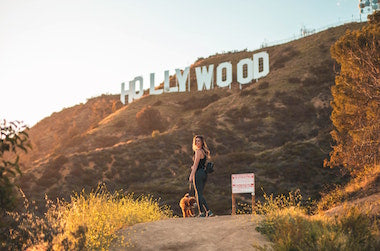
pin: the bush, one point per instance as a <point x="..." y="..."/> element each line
<point x="149" y="119"/>
<point x="263" y="85"/>
<point x="290" y="228"/>
<point x="286" y="55"/>
<point x="248" y="92"/>
<point x="157" y="103"/>
<point x="238" y="114"/>
<point x="331" y="199"/>
<point x="25" y="229"/>
<point x="325" y="70"/>
<point x="294" y="80"/>
<point x="310" y="81"/>
<point x="105" y="140"/>
<point x="323" y="48"/>
<point x="88" y="222"/>
<point x="13" y="139"/>
<point x="199" y="102"/>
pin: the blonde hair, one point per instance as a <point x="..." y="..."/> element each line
<point x="204" y="145"/>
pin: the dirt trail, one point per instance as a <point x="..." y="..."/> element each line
<point x="214" y="233"/>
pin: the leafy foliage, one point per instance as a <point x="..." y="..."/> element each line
<point x="13" y="137"/>
<point x="356" y="98"/>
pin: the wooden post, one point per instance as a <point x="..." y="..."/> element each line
<point x="253" y="202"/>
<point x="242" y="183"/>
<point x="233" y="205"/>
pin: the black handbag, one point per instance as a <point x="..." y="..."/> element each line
<point x="210" y="167"/>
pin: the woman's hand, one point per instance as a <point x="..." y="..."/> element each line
<point x="191" y="175"/>
<point x="195" y="165"/>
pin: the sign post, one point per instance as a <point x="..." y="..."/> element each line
<point x="242" y="183"/>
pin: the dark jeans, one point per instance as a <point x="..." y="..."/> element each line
<point x="199" y="185"/>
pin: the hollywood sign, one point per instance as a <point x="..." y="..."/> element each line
<point x="204" y="76"/>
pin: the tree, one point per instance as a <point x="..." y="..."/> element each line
<point x="356" y="98"/>
<point x="13" y="137"/>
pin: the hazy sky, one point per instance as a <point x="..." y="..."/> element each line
<point x="56" y="54"/>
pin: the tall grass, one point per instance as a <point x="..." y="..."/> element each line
<point x="366" y="182"/>
<point x="87" y="222"/>
<point x="289" y="227"/>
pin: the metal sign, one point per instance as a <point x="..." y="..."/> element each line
<point x="243" y="183"/>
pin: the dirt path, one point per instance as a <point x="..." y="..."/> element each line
<point x="215" y="233"/>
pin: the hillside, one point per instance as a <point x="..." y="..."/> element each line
<point x="277" y="128"/>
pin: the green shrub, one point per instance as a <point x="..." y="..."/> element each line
<point x="290" y="228"/>
<point x="359" y="229"/>
<point x="87" y="222"/>
<point x="13" y="139"/>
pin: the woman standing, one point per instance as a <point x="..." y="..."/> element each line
<point x="198" y="175"/>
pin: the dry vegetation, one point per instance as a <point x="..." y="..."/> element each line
<point x="278" y="128"/>
<point x="88" y="222"/>
<point x="289" y="227"/>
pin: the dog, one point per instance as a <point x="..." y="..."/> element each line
<point x="188" y="205"/>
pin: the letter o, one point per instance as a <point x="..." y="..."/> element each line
<point x="219" y="75"/>
<point x="240" y="76"/>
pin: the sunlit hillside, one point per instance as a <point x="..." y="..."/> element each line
<point x="277" y="128"/>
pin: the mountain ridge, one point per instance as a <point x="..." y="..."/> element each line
<point x="277" y="127"/>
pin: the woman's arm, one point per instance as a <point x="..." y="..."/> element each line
<point x="195" y="165"/>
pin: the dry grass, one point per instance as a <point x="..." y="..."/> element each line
<point x="290" y="228"/>
<point x="87" y="222"/>
<point x="272" y="115"/>
<point x="365" y="184"/>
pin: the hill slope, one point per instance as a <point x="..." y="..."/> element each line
<point x="277" y="128"/>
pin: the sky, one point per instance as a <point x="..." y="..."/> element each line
<point x="57" y="54"/>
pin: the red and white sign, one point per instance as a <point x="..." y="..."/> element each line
<point x="243" y="183"/>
